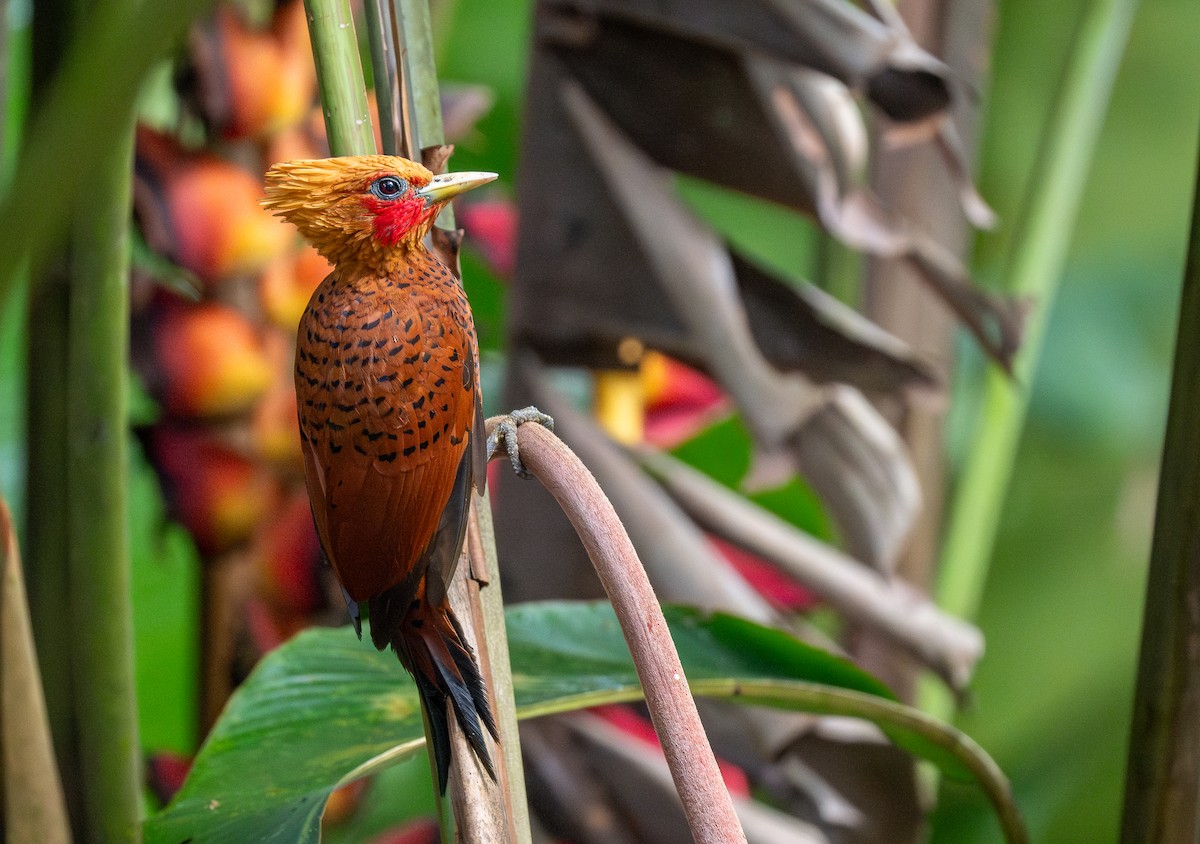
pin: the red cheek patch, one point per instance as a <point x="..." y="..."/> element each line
<point x="393" y="220"/>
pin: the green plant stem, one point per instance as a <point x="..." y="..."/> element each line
<point x="1162" y="778"/>
<point x="419" y="84"/>
<point x="1034" y="272"/>
<point x="46" y="425"/>
<point x="46" y="498"/>
<point x="384" y="71"/>
<point x="101" y="613"/>
<point x="340" y="77"/>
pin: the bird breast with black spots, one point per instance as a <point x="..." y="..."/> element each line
<point x="385" y="382"/>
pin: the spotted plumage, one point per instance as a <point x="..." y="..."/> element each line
<point x="388" y="396"/>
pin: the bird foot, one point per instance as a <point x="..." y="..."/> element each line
<point x="505" y="428"/>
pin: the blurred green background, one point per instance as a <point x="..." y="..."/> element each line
<point x="1062" y="608"/>
<point x="1062" y="611"/>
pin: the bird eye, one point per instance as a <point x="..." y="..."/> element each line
<point x="388" y="187"/>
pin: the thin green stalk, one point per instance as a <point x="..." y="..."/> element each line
<point x="46" y="423"/>
<point x="101" y="612"/>
<point x="385" y="71"/>
<point x="340" y="77"/>
<point x="419" y="84"/>
<point x="1034" y="272"/>
<point x="1162" y="780"/>
<point x="45" y="539"/>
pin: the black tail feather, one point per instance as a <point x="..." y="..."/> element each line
<point x="417" y="639"/>
<point x="468" y="716"/>
<point x="469" y="670"/>
<point x="434" y="703"/>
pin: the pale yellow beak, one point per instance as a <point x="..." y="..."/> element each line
<point x="449" y="185"/>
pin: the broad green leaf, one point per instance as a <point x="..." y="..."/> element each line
<point x="325" y="709"/>
<point x="563" y="651"/>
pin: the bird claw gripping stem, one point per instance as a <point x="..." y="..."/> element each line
<point x="505" y="428"/>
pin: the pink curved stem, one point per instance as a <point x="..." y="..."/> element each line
<point x="706" y="801"/>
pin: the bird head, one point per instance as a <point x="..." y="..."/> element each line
<point x="362" y="209"/>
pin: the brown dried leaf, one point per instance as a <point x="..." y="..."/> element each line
<point x="860" y="468"/>
<point x="565" y="793"/>
<point x="583" y="275"/>
<point x="582" y="282"/>
<point x="856" y="217"/>
<point x="832" y="36"/>
<point x="803" y="327"/>
<point x="689" y="107"/>
<point x="888" y="606"/>
<point x="757" y="739"/>
<point x="34" y="807"/>
<point x="698" y="276"/>
<point x="857" y="762"/>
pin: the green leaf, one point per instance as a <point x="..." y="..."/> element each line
<point x="325" y="709"/>
<point x="563" y="651"/>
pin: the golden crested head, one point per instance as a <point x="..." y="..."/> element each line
<point x="353" y="206"/>
<point x="337" y="203"/>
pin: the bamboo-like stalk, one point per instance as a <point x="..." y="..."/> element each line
<point x="340" y="77"/>
<point x="101" y="613"/>
<point x="420" y="97"/>
<point x="386" y="72"/>
<point x="45" y="517"/>
<point x="1162" y="779"/>
<point x="1034" y="271"/>
<point x="501" y="675"/>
